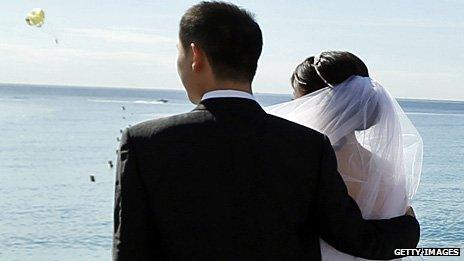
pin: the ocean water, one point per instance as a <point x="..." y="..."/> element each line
<point x="53" y="138"/>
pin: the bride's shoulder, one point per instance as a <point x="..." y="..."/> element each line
<point x="382" y="163"/>
<point x="357" y="153"/>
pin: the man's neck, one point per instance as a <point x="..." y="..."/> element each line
<point x="227" y="85"/>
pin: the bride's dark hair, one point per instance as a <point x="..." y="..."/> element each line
<point x="333" y="66"/>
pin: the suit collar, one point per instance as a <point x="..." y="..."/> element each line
<point x="227" y="94"/>
<point x="230" y="105"/>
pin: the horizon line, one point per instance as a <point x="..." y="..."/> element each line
<point x="183" y="90"/>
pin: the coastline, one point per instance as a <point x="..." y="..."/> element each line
<point x="181" y="90"/>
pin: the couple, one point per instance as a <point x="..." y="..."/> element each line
<point x="328" y="175"/>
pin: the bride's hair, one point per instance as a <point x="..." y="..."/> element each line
<point x="327" y="68"/>
<point x="331" y="68"/>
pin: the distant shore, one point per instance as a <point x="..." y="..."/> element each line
<point x="180" y="90"/>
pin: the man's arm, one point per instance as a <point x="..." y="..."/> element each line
<point x="342" y="225"/>
<point x="133" y="228"/>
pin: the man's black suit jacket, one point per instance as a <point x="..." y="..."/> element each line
<point x="227" y="181"/>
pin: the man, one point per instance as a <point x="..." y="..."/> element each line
<point x="227" y="181"/>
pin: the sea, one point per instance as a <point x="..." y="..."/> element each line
<point x="53" y="139"/>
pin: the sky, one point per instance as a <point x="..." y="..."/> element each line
<point x="414" y="48"/>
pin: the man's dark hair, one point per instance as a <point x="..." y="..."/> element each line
<point x="229" y="36"/>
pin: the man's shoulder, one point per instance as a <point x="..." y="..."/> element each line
<point x="153" y="127"/>
<point x="287" y="126"/>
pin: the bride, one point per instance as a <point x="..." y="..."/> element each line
<point x="379" y="151"/>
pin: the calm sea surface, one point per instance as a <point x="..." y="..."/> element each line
<point x="53" y="138"/>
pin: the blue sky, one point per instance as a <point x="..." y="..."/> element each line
<point x="415" y="48"/>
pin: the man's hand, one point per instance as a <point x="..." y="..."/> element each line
<point x="410" y="212"/>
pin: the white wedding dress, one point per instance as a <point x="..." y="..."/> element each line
<point x="379" y="151"/>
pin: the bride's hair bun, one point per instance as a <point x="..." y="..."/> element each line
<point x="327" y="68"/>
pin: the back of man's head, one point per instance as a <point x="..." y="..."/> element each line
<point x="229" y="36"/>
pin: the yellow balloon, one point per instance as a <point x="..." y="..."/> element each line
<point x="36" y="17"/>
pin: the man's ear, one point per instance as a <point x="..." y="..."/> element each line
<point x="197" y="57"/>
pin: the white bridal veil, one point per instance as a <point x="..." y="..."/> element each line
<point x="383" y="145"/>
